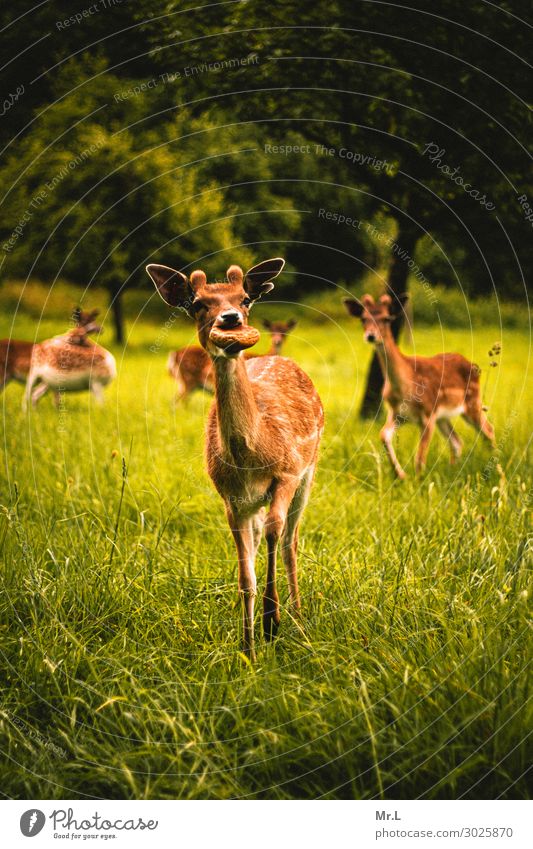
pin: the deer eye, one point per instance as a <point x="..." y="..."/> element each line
<point x="198" y="305"/>
<point x="246" y="302"/>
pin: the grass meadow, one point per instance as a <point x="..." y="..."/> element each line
<point x="119" y="613"/>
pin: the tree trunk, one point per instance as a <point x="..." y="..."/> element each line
<point x="408" y="235"/>
<point x="118" y="314"/>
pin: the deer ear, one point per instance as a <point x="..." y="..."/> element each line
<point x="353" y="306"/>
<point x="291" y="323"/>
<point x="257" y="279"/>
<point x="172" y="285"/>
<point x="266" y="324"/>
<point x="76" y="314"/>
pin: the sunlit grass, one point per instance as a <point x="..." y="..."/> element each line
<point x="121" y="670"/>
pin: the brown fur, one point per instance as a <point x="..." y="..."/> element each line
<point x="15" y="355"/>
<point x="70" y="362"/>
<point x="192" y="369"/>
<point x="424" y="390"/>
<point x="263" y="433"/>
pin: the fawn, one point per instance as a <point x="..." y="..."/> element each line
<point x="263" y="431"/>
<point x="70" y="362"/>
<point x="192" y="369"/>
<point x="15" y="355"/>
<point x="425" y="390"/>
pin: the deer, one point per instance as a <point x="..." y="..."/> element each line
<point x="428" y="391"/>
<point x="70" y="362"/>
<point x="15" y="355"/>
<point x="191" y="367"/>
<point x="263" y="431"/>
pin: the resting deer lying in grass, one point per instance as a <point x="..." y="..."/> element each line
<point x="263" y="431"/>
<point x="70" y="362"/>
<point x="425" y="390"/>
<point x="192" y="369"/>
<point x="15" y="355"/>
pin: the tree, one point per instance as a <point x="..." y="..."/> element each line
<point x="97" y="201"/>
<point x="359" y="78"/>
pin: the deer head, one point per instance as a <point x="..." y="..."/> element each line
<point x="376" y="317"/>
<point x="278" y="331"/>
<point x="86" y="320"/>
<point x="221" y="305"/>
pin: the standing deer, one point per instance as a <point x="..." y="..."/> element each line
<point x="70" y="362"/>
<point x="263" y="431"/>
<point x="425" y="390"/>
<point x="192" y="369"/>
<point x="15" y="355"/>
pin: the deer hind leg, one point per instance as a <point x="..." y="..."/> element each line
<point x="242" y="531"/>
<point x="274" y="528"/>
<point x="289" y="541"/>
<point x="387" y="433"/>
<point x="451" y="435"/>
<point x="476" y="417"/>
<point x="428" y="428"/>
<point x="98" y="392"/>
<point x="35" y="389"/>
<point x="38" y="393"/>
<point x="31" y="382"/>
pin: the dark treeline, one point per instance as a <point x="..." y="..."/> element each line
<point x="339" y="133"/>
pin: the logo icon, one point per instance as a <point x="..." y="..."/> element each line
<point x="32" y="822"/>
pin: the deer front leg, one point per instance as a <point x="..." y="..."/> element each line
<point x="387" y="433"/>
<point x="428" y="427"/>
<point x="282" y="496"/>
<point x="242" y="531"/>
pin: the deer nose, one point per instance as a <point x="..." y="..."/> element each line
<point x="370" y="337"/>
<point x="229" y="318"/>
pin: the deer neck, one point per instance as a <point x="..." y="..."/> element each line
<point x="274" y="351"/>
<point x="237" y="413"/>
<point x="391" y="360"/>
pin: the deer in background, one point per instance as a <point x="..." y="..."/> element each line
<point x="425" y="390"/>
<point x="192" y="369"/>
<point x="15" y="355"/>
<point x="70" y="362"/>
<point x="263" y="430"/>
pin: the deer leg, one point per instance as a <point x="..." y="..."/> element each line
<point x="243" y="535"/>
<point x="274" y="527"/>
<point x="387" y="433"/>
<point x="448" y="432"/>
<point x="289" y="541"/>
<point x="32" y="380"/>
<point x="257" y="528"/>
<point x="38" y="393"/>
<point x="181" y="391"/>
<point x="98" y="392"/>
<point x="478" y="420"/>
<point x="428" y="428"/>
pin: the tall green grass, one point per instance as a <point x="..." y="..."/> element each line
<point x="121" y="674"/>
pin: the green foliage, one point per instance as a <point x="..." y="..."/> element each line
<point x="103" y="197"/>
<point x="180" y="166"/>
<point x="122" y="679"/>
